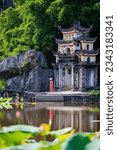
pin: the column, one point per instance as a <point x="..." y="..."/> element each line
<point x="60" y="76"/>
<point x="82" y="80"/>
<point x="72" y="78"/>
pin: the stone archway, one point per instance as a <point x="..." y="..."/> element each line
<point x="67" y="50"/>
<point x="88" y="60"/>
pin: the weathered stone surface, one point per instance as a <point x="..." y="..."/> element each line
<point x="12" y="66"/>
<point x="26" y="72"/>
<point x="36" y="80"/>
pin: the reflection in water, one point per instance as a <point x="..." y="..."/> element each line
<point x="79" y="117"/>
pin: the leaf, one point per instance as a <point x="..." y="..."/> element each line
<point x="91" y="135"/>
<point x="2" y="143"/>
<point x="22" y="128"/>
<point x="16" y="134"/>
<point x="13" y="138"/>
<point x="93" y="145"/>
<point x="55" y="145"/>
<point x="8" y="99"/>
<point x="32" y="146"/>
<point x="5" y="103"/>
<point x="80" y="141"/>
<point x="60" y="132"/>
<point x="65" y="136"/>
<point x="44" y="128"/>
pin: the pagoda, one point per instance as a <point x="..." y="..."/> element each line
<point x="75" y="67"/>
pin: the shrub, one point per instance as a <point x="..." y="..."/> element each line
<point x="94" y="92"/>
<point x="2" y="84"/>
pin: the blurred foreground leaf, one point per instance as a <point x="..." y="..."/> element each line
<point x="17" y="137"/>
<point x="81" y="141"/>
<point x="60" y="132"/>
<point x="44" y="128"/>
<point x="16" y="134"/>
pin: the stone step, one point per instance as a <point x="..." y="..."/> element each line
<point x="49" y="98"/>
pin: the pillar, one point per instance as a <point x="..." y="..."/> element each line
<point x="72" y="78"/>
<point x="60" y="76"/>
<point x="55" y="77"/>
<point x="82" y="79"/>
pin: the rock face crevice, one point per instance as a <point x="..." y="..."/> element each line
<point x="26" y="72"/>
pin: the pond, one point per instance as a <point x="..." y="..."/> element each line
<point x="82" y="118"/>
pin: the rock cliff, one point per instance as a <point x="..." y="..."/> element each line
<point x="26" y="72"/>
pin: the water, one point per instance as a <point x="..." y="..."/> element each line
<point x="81" y="118"/>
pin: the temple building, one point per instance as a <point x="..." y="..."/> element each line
<point x="75" y="67"/>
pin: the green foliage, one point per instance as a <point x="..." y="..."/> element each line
<point x="93" y="109"/>
<point x="5" y="103"/>
<point x="6" y="99"/>
<point x="60" y="132"/>
<point x="25" y="66"/>
<point x="82" y="142"/>
<point x="15" y="138"/>
<point x="2" y="84"/>
<point x="22" y="128"/>
<point x="33" y="24"/>
<point x="43" y="65"/>
<point x="15" y="134"/>
<point x="94" y="92"/>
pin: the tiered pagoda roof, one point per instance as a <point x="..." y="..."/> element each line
<point x="78" y="52"/>
<point x="86" y="52"/>
<point x="75" y="27"/>
<point x="85" y="38"/>
<point x="81" y="38"/>
<point x="59" y="41"/>
<point x="80" y="35"/>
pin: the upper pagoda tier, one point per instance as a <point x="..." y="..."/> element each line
<point x="75" y="28"/>
<point x="76" y="42"/>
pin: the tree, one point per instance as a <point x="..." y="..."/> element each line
<point x="33" y="24"/>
